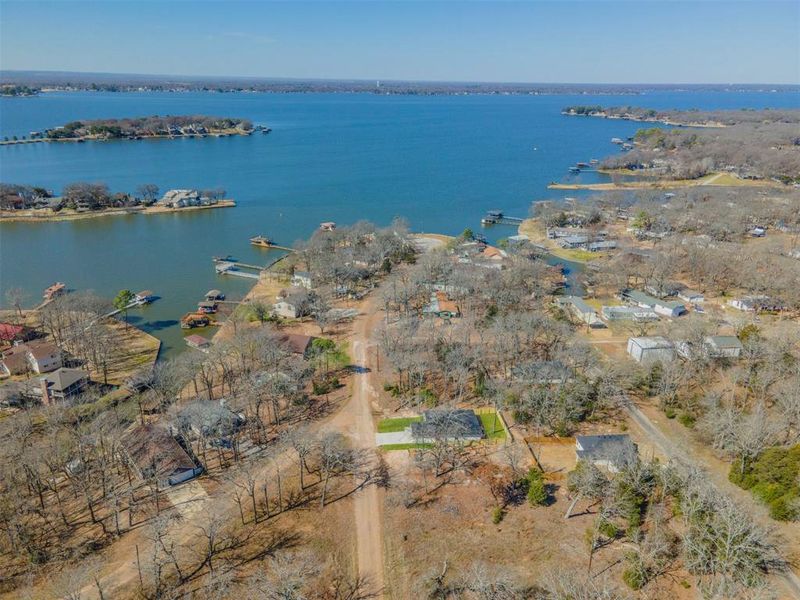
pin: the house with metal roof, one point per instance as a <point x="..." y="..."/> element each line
<point x="667" y="308"/>
<point x="723" y="346"/>
<point x="628" y="313"/>
<point x="647" y="350"/>
<point x="581" y="310"/>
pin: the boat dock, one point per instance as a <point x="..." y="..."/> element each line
<point x="229" y="268"/>
<point x="496" y="217"/>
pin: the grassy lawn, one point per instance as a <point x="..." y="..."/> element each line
<point x="396" y="425"/>
<point x="492" y="426"/>
<point x="576" y="255"/>
<point x="409" y="446"/>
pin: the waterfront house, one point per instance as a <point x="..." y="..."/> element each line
<point x="441" y="306"/>
<point x="11" y="332"/>
<point x="180" y="198"/>
<point x="667" y="308"/>
<point x="214" y="296"/>
<point x="197" y="342"/>
<point x="302" y="279"/>
<point x="154" y="453"/>
<point x="648" y="350"/>
<point x="612" y="452"/>
<point x="447" y="424"/>
<point x="63" y="384"/>
<point x="581" y="310"/>
<point x="574" y="241"/>
<point x="43" y="357"/>
<point x="628" y="313"/>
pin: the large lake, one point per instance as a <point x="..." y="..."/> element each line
<point x="438" y="161"/>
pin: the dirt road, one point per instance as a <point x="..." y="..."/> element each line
<point x="368" y="501"/>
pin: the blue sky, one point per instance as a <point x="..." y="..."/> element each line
<point x="599" y="41"/>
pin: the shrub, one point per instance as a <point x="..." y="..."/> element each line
<point x="686" y="420"/>
<point x="497" y="514"/>
<point x="634" y="578"/>
<point x="537" y="489"/>
<point x="670" y="412"/>
<point x="608" y="529"/>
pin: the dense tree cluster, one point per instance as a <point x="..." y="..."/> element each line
<point x="148" y="126"/>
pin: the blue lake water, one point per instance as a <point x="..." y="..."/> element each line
<point x="438" y="161"/>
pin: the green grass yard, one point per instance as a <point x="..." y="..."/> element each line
<point x="410" y="446"/>
<point x="492" y="426"/>
<point x="396" y="425"/>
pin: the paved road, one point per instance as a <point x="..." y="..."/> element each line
<point x="791" y="582"/>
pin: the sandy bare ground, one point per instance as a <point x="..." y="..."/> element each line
<point x="356" y="421"/>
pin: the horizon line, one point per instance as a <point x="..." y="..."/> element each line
<point x="4" y="71"/>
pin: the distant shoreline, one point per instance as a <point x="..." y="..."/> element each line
<point x="47" y="216"/>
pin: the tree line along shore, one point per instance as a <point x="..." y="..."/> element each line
<point x="83" y="200"/>
<point x="153" y="127"/>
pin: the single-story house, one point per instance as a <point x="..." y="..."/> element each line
<point x="691" y="296"/>
<point x="153" y="452"/>
<point x="650" y="349"/>
<point x="544" y="372"/>
<point x="11" y="332"/>
<point x="628" y="313"/>
<point x="757" y="304"/>
<point x="448" y="424"/>
<point x="664" y="289"/>
<point x="302" y="279"/>
<point x="574" y="241"/>
<point x="198" y="342"/>
<point x="668" y="308"/>
<point x="63" y="384"/>
<point x="216" y="421"/>
<point x="441" y="306"/>
<point x="297" y="343"/>
<point x="581" y="310"/>
<point x="612" y="452"/>
<point x="601" y="245"/>
<point x="723" y="346"/>
<point x="286" y="308"/>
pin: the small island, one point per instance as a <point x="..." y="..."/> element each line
<point x="154" y="127"/>
<point x="83" y="200"/>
